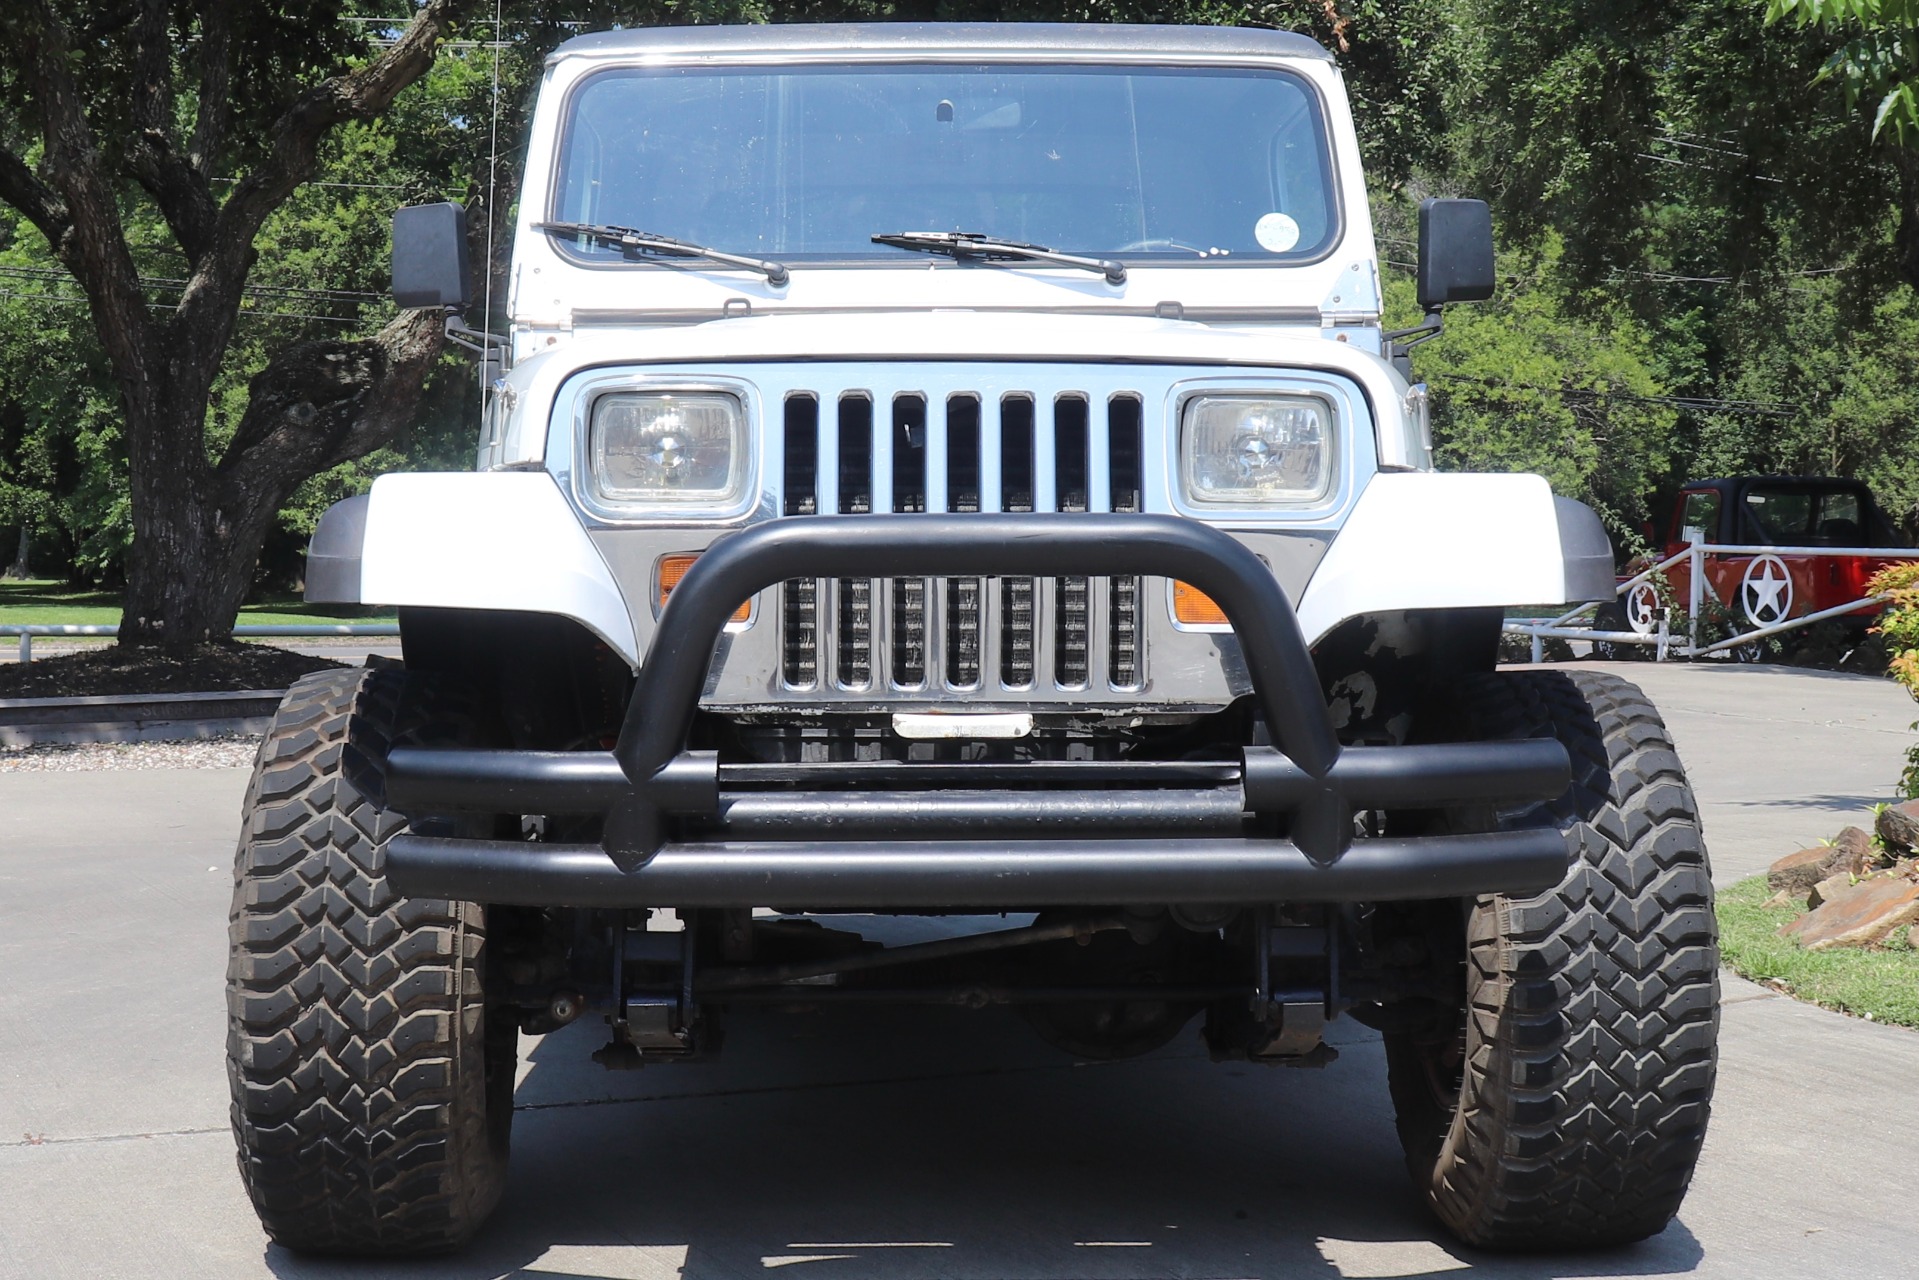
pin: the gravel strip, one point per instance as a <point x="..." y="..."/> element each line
<point x="230" y="751"/>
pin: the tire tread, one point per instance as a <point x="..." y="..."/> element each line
<point x="1593" y="1008"/>
<point x="356" y="1046"/>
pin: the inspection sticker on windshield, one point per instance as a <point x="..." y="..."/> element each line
<point x="1276" y="233"/>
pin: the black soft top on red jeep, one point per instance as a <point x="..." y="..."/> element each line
<point x="1798" y="511"/>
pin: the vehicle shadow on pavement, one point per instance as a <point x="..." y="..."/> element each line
<point x="1731" y="670"/>
<point x="1863" y="803"/>
<point x="891" y="1145"/>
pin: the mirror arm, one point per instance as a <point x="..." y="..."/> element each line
<point x="461" y="334"/>
<point x="1425" y="331"/>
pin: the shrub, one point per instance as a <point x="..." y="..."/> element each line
<point x="1899" y="627"/>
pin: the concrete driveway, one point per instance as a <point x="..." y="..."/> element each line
<point x="913" y="1143"/>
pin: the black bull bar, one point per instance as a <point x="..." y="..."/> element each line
<point x="684" y="830"/>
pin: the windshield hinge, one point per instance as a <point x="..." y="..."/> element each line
<point x="1354" y="297"/>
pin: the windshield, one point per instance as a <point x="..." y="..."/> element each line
<point x="1826" y="517"/>
<point x="1181" y="164"/>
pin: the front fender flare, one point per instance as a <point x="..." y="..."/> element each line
<point x="1435" y="541"/>
<point x="495" y="540"/>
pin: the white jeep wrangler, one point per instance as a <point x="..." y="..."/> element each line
<point x="959" y="471"/>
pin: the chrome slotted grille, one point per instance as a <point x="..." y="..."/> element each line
<point x="962" y="449"/>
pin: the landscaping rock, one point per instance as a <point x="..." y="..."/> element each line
<point x="1865" y="914"/>
<point x="1898" y="826"/>
<point x="1833" y="886"/>
<point x="1799" y="871"/>
<point x="1861" y="854"/>
<point x="1912" y="937"/>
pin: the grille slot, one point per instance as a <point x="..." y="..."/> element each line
<point x="909" y="632"/>
<point x="854" y="597"/>
<point x="799" y="496"/>
<point x="909" y="453"/>
<point x="854" y="450"/>
<point x="909" y="494"/>
<point x="963" y="598"/>
<point x="1125" y="447"/>
<point x="1017" y="622"/>
<point x="1072" y="637"/>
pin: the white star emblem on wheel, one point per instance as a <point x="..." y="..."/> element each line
<point x="1642" y="609"/>
<point x="1766" y="591"/>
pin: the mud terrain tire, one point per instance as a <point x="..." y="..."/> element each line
<point x="1567" y="1108"/>
<point x="372" y="1095"/>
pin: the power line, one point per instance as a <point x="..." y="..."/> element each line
<point x="572" y="23"/>
<point x="1758" y="408"/>
<point x="57" y="275"/>
<point x="54" y="299"/>
<point x="1667" y="277"/>
<point x="1709" y="168"/>
<point x="349" y="186"/>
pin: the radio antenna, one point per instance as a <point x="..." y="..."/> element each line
<point x="490" y="361"/>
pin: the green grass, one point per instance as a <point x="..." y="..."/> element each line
<point x="1883" y="983"/>
<point x="42" y="601"/>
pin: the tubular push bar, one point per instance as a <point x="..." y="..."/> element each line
<point x="870" y="834"/>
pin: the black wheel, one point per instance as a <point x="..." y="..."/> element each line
<point x="1766" y="649"/>
<point x="1566" y="1106"/>
<point x="372" y="1093"/>
<point x="1610" y="617"/>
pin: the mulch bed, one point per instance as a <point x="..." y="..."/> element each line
<point x="114" y="670"/>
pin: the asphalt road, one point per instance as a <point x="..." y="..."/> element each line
<point x="916" y="1143"/>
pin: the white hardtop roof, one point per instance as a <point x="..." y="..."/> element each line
<point x="943" y="39"/>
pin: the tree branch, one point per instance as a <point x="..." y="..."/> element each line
<point x="212" y="293"/>
<point x="108" y="20"/>
<point x="319" y="404"/>
<point x="41" y="205"/>
<point x="92" y="244"/>
<point x="216" y="84"/>
<point x="178" y="188"/>
<point x="176" y="184"/>
<point x="152" y="68"/>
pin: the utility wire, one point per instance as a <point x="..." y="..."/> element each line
<point x="56" y="275"/>
<point x="1759" y="408"/>
<point x="349" y="186"/>
<point x="54" y="299"/>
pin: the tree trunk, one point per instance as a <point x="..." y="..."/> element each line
<point x="198" y="528"/>
<point x="175" y="597"/>
<point x="19" y="569"/>
<point x="198" y="531"/>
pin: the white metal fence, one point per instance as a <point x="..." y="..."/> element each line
<point x="1648" y="614"/>
<point x="28" y="630"/>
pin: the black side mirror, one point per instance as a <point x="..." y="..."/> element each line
<point x="429" y="255"/>
<point x="1455" y="252"/>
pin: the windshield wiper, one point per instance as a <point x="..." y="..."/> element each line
<point x="632" y="241"/>
<point x="961" y="245"/>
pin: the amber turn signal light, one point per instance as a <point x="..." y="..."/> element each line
<point x="672" y="569"/>
<point x="1195" y="608"/>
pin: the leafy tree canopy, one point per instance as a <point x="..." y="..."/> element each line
<point x="1708" y="215"/>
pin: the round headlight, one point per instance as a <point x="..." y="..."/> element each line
<point x="1255" y="451"/>
<point x="681" y="447"/>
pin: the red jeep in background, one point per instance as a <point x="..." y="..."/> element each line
<point x="1802" y="516"/>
